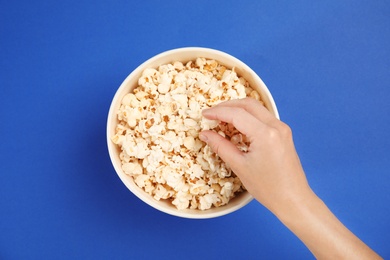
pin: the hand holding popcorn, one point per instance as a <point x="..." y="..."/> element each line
<point x="271" y="171"/>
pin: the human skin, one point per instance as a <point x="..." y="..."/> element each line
<point x="272" y="172"/>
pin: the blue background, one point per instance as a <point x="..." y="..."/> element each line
<point x="327" y="64"/>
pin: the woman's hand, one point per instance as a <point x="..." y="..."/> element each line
<point x="272" y="173"/>
<point x="270" y="170"/>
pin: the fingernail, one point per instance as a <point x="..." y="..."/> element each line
<point x="205" y="111"/>
<point x="203" y="137"/>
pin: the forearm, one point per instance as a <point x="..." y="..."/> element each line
<point x="324" y="235"/>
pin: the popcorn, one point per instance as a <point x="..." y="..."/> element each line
<point x="133" y="168"/>
<point x="158" y="133"/>
<point x="208" y="200"/>
<point x="182" y="200"/>
<point x="160" y="192"/>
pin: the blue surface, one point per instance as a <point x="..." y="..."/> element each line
<point x="327" y="65"/>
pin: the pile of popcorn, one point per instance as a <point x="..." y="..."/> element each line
<point x="159" y="124"/>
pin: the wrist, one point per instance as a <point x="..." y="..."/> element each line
<point x="297" y="207"/>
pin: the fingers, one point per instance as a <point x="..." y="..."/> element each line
<point x="243" y="121"/>
<point x="223" y="147"/>
<point x="253" y="107"/>
<point x="248" y="116"/>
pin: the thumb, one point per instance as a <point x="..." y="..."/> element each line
<point x="223" y="147"/>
